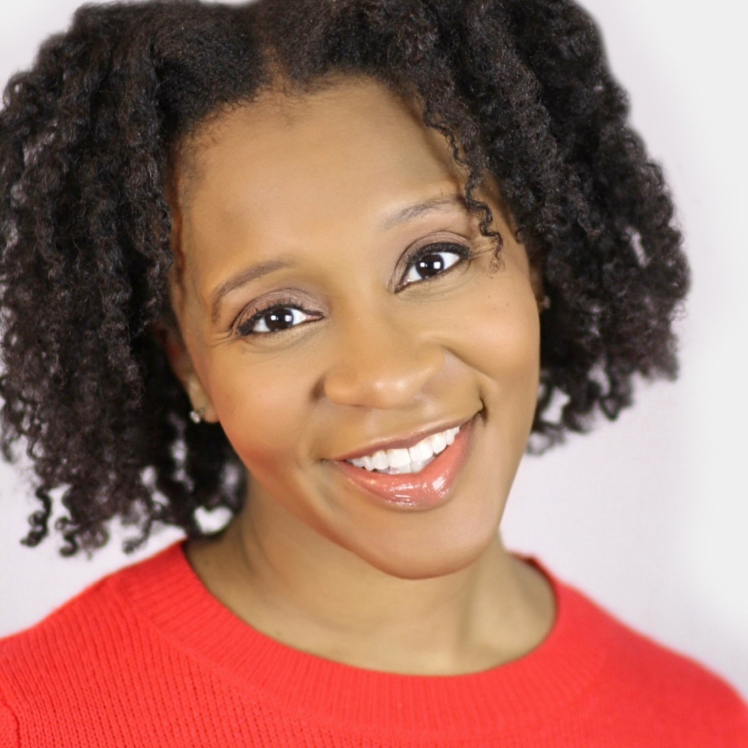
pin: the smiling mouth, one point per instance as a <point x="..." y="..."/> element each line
<point x="407" y="460"/>
<point x="419" y="482"/>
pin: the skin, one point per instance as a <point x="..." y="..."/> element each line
<point x="311" y="561"/>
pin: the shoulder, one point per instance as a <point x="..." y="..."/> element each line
<point x="65" y="631"/>
<point x="646" y="683"/>
<point x="88" y="643"/>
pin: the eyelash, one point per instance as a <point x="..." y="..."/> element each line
<point x="245" y="328"/>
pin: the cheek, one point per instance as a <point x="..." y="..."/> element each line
<point x="501" y="353"/>
<point x="503" y="346"/>
<point x="262" y="406"/>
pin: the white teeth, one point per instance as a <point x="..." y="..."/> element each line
<point x="421" y="451"/>
<point x="398" y="458"/>
<point x="379" y="460"/>
<point x="438" y="442"/>
<point x="411" y="460"/>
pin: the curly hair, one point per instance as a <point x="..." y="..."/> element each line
<point x="520" y="89"/>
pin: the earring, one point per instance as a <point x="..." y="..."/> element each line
<point x="544" y="303"/>
<point x="196" y="415"/>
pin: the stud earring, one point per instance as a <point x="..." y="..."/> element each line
<point x="544" y="303"/>
<point x="196" y="415"/>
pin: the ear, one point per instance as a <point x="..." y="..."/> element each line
<point x="172" y="342"/>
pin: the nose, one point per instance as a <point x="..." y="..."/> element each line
<point x="381" y="361"/>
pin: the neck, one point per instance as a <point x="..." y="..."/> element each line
<point x="290" y="582"/>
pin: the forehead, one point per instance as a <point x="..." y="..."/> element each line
<point x="287" y="158"/>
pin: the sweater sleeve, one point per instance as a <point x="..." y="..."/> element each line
<point x="740" y="736"/>
<point x="8" y="728"/>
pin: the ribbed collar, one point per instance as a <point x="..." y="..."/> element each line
<point x="165" y="589"/>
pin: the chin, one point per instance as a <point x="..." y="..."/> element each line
<point x="432" y="554"/>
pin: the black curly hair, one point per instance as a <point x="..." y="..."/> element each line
<point x="521" y="90"/>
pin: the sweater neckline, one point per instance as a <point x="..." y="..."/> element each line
<point x="165" y="589"/>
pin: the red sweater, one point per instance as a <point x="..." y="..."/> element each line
<point x="148" y="657"/>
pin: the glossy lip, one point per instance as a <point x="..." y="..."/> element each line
<point x="404" y="442"/>
<point x="429" y="488"/>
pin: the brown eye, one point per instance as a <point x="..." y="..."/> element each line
<point x="434" y="260"/>
<point x="274" y="319"/>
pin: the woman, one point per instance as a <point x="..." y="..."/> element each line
<point x="329" y="266"/>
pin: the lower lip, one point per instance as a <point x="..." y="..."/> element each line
<point x="423" y="490"/>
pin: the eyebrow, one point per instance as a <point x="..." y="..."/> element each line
<point x="421" y="209"/>
<point x="401" y="216"/>
<point x="243" y="278"/>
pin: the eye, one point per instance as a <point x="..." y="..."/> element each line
<point x="274" y="319"/>
<point x="428" y="262"/>
<point x="434" y="260"/>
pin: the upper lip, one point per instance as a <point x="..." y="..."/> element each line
<point x="401" y="442"/>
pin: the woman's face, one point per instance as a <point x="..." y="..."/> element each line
<point x="321" y="318"/>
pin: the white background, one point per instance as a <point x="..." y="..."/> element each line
<point x="649" y="515"/>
